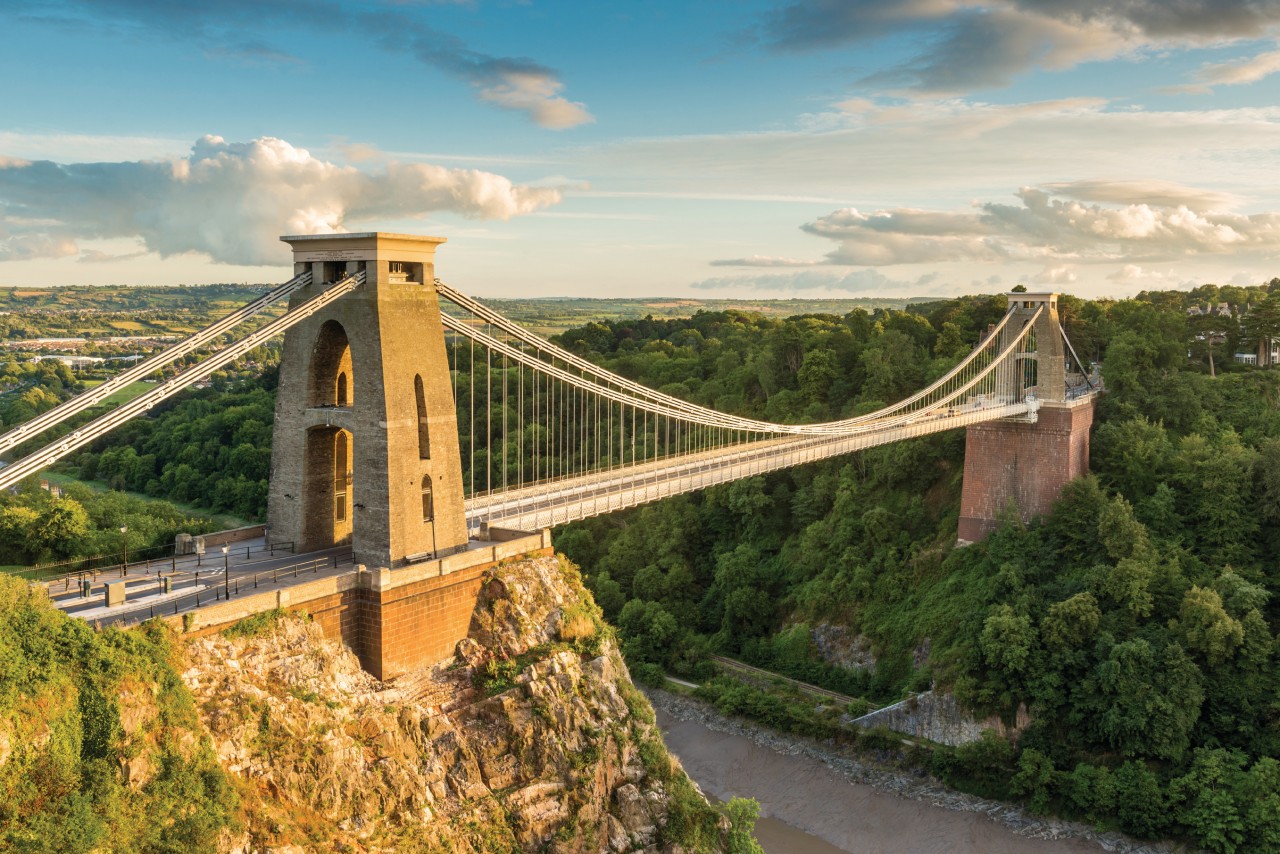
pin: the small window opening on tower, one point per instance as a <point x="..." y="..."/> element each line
<point x="341" y="477"/>
<point x="335" y="271"/>
<point x="428" y="505"/>
<point x="424" y="434"/>
<point x="403" y="271"/>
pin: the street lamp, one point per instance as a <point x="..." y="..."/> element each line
<point x="226" y="571"/>
<point x="124" y="547"/>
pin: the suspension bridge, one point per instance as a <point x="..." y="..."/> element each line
<point x="413" y="423"/>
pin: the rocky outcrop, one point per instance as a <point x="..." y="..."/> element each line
<point x="531" y="739"/>
<point x="839" y="646"/>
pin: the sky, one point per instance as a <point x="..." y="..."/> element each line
<point x="799" y="148"/>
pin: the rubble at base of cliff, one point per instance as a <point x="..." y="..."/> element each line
<point x="525" y="741"/>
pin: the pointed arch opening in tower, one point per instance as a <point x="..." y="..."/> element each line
<point x="327" y="485"/>
<point x="330" y="383"/>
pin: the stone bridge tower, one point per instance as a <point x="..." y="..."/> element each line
<point x="365" y="443"/>
<point x="1022" y="464"/>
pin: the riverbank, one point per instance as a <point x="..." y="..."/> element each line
<point x="816" y="798"/>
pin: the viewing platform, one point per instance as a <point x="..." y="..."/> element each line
<point x="393" y="619"/>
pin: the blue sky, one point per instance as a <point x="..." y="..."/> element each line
<point x="745" y="149"/>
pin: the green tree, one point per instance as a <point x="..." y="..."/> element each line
<point x="1144" y="703"/>
<point x="1262" y="326"/>
<point x="1034" y="780"/>
<point x="742" y="813"/>
<point x="1071" y="624"/>
<point x="1207" y="627"/>
<point x="1140" y="802"/>
<point x="1206" y="802"/>
<point x="61" y="526"/>
<point x="817" y="375"/>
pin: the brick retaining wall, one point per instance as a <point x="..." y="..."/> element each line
<point x="394" y="620"/>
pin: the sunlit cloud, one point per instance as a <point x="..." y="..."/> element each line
<point x="1240" y="72"/>
<point x="951" y="150"/>
<point x="1050" y="224"/>
<point x="231" y="201"/>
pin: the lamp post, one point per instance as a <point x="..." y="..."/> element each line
<point x="226" y="571"/>
<point x="124" y="547"/>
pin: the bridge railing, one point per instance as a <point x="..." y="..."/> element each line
<point x="165" y="557"/>
<point x="219" y="591"/>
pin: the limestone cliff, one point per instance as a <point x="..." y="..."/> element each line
<point x="532" y="739"/>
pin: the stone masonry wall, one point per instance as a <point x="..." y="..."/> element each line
<point x="939" y="718"/>
<point x="394" y="621"/>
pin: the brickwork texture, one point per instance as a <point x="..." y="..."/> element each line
<point x="1021" y="468"/>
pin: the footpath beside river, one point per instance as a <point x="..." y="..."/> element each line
<point x="817" y="801"/>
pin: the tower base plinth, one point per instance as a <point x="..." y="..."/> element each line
<point x="1022" y="465"/>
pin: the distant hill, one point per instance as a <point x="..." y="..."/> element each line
<point x="552" y="315"/>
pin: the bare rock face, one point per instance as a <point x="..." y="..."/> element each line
<point x="531" y="739"/>
<point x="843" y="648"/>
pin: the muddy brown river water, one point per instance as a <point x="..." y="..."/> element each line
<point x="808" y="808"/>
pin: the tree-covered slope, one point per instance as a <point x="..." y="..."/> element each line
<point x="101" y="747"/>
<point x="1137" y="624"/>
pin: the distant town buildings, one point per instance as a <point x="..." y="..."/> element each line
<point x="1222" y="309"/>
<point x="78" y="343"/>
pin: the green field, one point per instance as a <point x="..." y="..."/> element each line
<point x="224" y="521"/>
<point x="127" y="393"/>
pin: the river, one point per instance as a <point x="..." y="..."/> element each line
<point x="809" y="808"/>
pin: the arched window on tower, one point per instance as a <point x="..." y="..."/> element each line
<point x="424" y="437"/>
<point x="340" y="476"/>
<point x="341" y="397"/>
<point x="428" y="504"/>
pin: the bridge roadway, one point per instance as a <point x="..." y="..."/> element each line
<point x="530" y="508"/>
<point x="557" y="502"/>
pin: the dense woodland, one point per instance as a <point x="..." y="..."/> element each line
<point x="210" y="448"/>
<point x="1137" y="625"/>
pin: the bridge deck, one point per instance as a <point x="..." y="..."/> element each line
<point x="552" y="503"/>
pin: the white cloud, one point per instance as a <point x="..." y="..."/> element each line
<point x="537" y="95"/>
<point x="243" y="30"/>
<point x="1241" y="71"/>
<point x="84" y="147"/>
<point x="763" y="261"/>
<point x="1059" y="232"/>
<point x="1063" y="274"/>
<point x="1131" y="274"/>
<point x="948" y="151"/>
<point x="1148" y="192"/>
<point x="230" y="201"/>
<point x="821" y="282"/>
